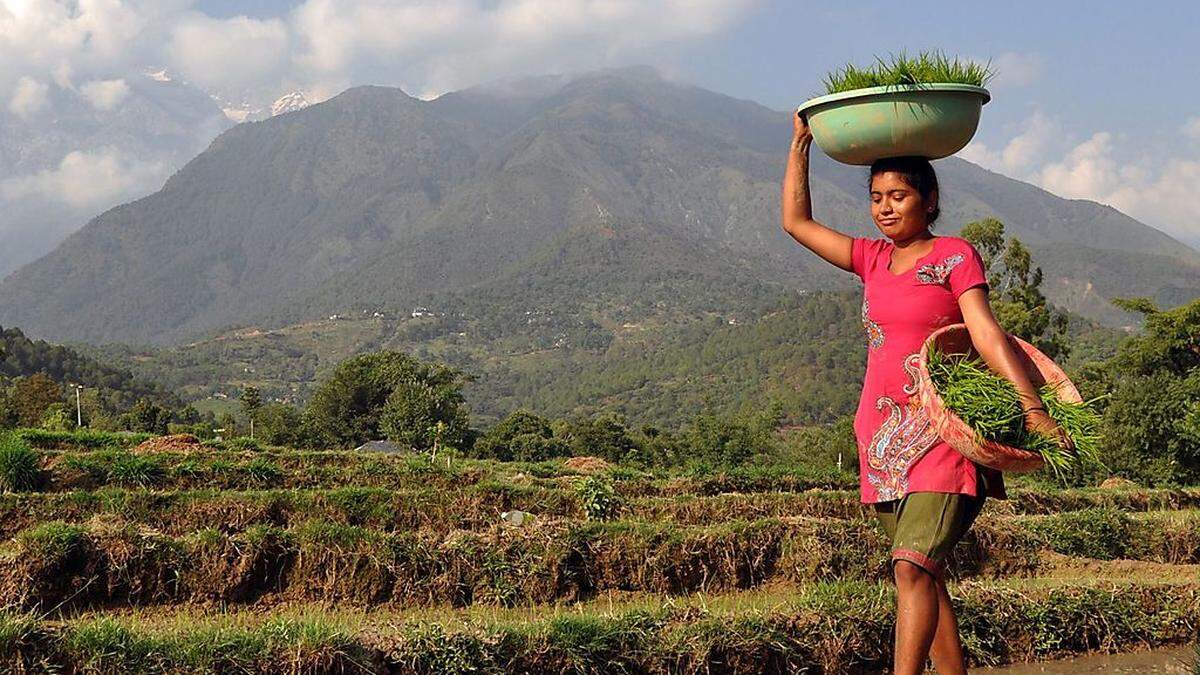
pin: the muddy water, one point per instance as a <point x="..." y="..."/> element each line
<point x="1165" y="662"/>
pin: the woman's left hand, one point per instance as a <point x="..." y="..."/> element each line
<point x="1040" y="422"/>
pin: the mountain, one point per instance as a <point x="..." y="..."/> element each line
<point x="606" y="194"/>
<point x="88" y="146"/>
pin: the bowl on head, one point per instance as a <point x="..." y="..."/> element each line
<point x="927" y="120"/>
<point x="954" y="339"/>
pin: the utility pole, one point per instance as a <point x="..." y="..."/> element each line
<point x="78" y="405"/>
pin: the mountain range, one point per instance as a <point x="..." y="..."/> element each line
<point x="610" y="194"/>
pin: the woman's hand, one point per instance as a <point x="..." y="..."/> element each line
<point x="1037" y="420"/>
<point x="796" y="207"/>
<point x="801" y="134"/>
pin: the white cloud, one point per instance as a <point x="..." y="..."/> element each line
<point x="1104" y="167"/>
<point x="433" y="47"/>
<point x="28" y="97"/>
<point x="92" y="179"/>
<point x="105" y="94"/>
<point x="231" y="53"/>
<point x="1014" y="69"/>
<point x="1191" y="128"/>
<point x="1023" y="152"/>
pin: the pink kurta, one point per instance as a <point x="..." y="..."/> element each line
<point x="898" y="450"/>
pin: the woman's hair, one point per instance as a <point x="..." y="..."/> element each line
<point x="917" y="172"/>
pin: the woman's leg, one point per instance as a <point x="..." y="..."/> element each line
<point x="917" y="616"/>
<point x="946" y="650"/>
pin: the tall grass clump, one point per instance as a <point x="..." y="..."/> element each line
<point x="924" y="68"/>
<point x="20" y="470"/>
<point x="990" y="405"/>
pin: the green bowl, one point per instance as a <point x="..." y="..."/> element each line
<point x="862" y="125"/>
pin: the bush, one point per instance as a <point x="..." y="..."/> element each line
<point x="598" y="498"/>
<point x="498" y="441"/>
<point x="20" y="470"/>
<point x="602" y="436"/>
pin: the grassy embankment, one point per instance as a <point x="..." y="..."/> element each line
<point x="227" y="561"/>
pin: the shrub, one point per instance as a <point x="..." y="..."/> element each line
<point x="598" y="498"/>
<point x="20" y="470"/>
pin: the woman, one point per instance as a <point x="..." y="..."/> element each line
<point x="925" y="493"/>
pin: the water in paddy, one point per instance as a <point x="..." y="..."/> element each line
<point x="1163" y="661"/>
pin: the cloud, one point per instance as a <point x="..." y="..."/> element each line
<point x="433" y="47"/>
<point x="1191" y="128"/>
<point x="231" y="53"/>
<point x="1023" y="152"/>
<point x="1104" y="167"/>
<point x="1014" y="69"/>
<point x="322" y="46"/>
<point x="93" y="179"/>
<point x="105" y="94"/>
<point x="28" y="97"/>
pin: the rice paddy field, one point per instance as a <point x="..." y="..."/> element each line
<point x="209" y="560"/>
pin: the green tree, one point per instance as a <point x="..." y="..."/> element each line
<point x="57" y="418"/>
<point x="732" y="440"/>
<point x="604" y="435"/>
<point x="347" y="408"/>
<point x="499" y="441"/>
<point x="424" y="415"/>
<point x="251" y="401"/>
<point x="147" y="416"/>
<point x="1152" y="417"/>
<point x="1015" y="289"/>
<point x="33" y="395"/>
<point x="279" y="424"/>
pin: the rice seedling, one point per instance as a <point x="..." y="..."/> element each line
<point x="19" y="466"/>
<point x="989" y="404"/>
<point x="925" y="68"/>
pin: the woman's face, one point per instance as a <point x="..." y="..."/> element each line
<point x="897" y="208"/>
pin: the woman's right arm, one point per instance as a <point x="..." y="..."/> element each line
<point x="830" y="244"/>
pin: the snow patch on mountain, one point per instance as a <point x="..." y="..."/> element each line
<point x="289" y="103"/>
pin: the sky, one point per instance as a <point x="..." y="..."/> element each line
<point x="1092" y="100"/>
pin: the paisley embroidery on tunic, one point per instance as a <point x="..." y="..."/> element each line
<point x="874" y="332"/>
<point x="938" y="273"/>
<point x="900" y="440"/>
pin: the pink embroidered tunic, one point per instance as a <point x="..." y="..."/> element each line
<point x="898" y="450"/>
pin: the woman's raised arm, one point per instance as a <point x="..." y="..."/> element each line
<point x="830" y="244"/>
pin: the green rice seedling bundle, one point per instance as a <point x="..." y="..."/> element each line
<point x="925" y="68"/>
<point x="990" y="405"/>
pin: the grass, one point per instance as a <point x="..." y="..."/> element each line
<point x="990" y="405"/>
<point x="925" y="68"/>
<point x="81" y="438"/>
<point x="835" y="627"/>
<point x="20" y="467"/>
<point x="110" y="562"/>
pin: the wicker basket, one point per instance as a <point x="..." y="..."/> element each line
<point x="954" y="339"/>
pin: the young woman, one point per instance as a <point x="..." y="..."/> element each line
<point x="925" y="493"/>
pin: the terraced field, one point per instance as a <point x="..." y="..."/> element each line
<point x="219" y="561"/>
